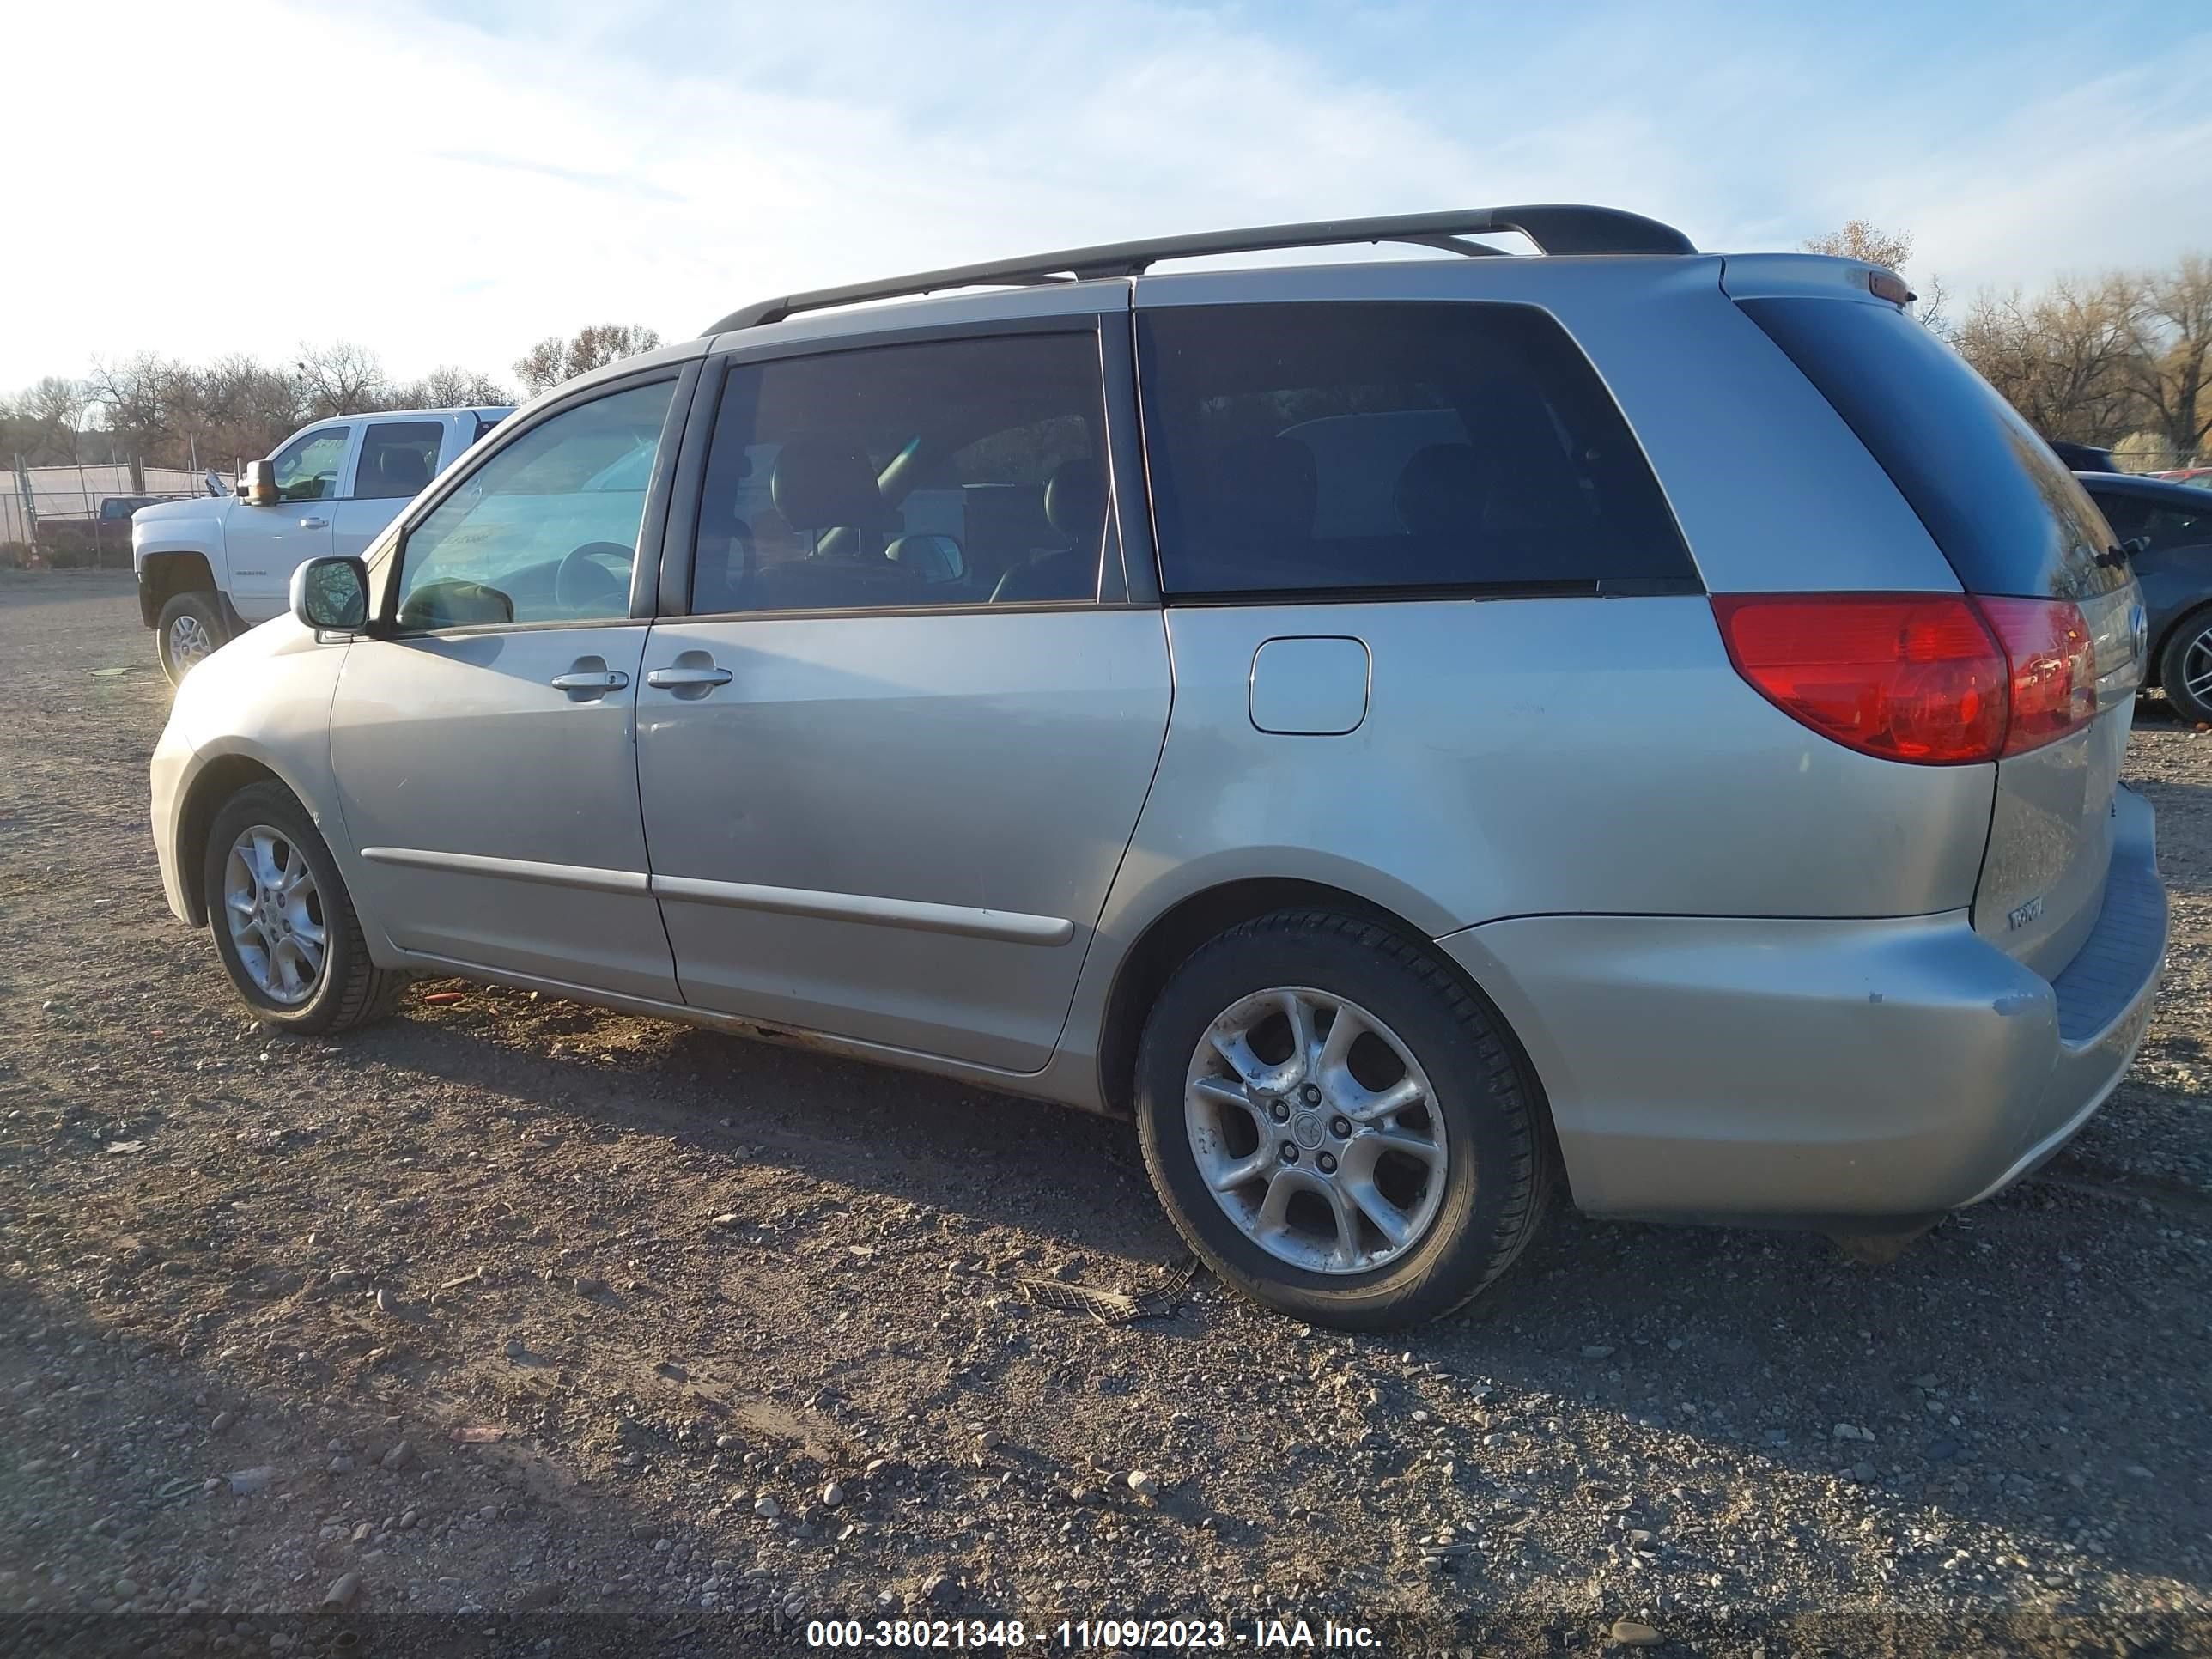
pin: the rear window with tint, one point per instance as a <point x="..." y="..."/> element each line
<point x="2158" y="522"/>
<point x="2009" y="517"/>
<point x="1373" y="447"/>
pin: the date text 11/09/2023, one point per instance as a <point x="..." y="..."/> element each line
<point x="1121" y="1635"/>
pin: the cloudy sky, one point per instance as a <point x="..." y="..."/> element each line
<point x="446" y="183"/>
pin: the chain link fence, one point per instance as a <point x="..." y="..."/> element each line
<point x="61" y="516"/>
<point x="2157" y="462"/>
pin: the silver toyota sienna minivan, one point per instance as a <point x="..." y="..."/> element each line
<point x="1410" y="733"/>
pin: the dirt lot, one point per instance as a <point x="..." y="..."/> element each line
<point x="511" y="1307"/>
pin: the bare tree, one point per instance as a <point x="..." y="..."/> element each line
<point x="44" y="424"/>
<point x="138" y="399"/>
<point x="339" y="378"/>
<point x="449" y="387"/>
<point x="1929" y="308"/>
<point x="553" y="360"/>
<point x="1861" y="239"/>
<point x="242" y="407"/>
<point x="539" y="367"/>
<point x="2062" y="359"/>
<point x="2171" y="364"/>
<point x="148" y="410"/>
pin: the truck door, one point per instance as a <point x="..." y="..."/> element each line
<point x="264" y="544"/>
<point x="395" y="464"/>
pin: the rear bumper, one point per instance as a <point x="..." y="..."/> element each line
<point x="1810" y="1071"/>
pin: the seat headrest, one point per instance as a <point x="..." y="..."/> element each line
<point x="827" y="482"/>
<point x="1440" y="491"/>
<point x="1075" y="501"/>
<point x="1266" y="489"/>
<point x="402" y="469"/>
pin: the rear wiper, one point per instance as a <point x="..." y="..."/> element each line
<point x="2116" y="557"/>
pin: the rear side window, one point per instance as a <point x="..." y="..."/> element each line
<point x="2168" y="527"/>
<point x="399" y="458"/>
<point x="1374" y="446"/>
<point x="2158" y="523"/>
<point x="2128" y="516"/>
<point x="2009" y="517"/>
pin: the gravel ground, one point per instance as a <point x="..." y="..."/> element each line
<point x="511" y="1305"/>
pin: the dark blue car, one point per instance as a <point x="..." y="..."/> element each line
<point x="2175" y="570"/>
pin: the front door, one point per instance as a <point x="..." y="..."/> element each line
<point x="891" y="760"/>
<point x="262" y="545"/>
<point x="484" y="750"/>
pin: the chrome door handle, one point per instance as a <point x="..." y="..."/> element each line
<point x="678" y="679"/>
<point x="612" y="679"/>
<point x="314" y="524"/>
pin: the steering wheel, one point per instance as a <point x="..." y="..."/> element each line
<point x="584" y="585"/>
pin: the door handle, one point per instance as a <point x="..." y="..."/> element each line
<point x="687" y="679"/>
<point x="611" y="679"/>
<point x="314" y="524"/>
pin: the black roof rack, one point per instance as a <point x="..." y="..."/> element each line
<point x="1555" y="228"/>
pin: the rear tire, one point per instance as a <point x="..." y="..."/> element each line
<point x="190" y="628"/>
<point x="1465" y="1169"/>
<point x="2189" y="652"/>
<point x="267" y="867"/>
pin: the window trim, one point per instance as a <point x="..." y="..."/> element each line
<point x="683" y="378"/>
<point x="1691" y="582"/>
<point x="1641" y="587"/>
<point x="1114" y="340"/>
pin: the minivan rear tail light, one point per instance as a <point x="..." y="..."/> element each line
<point x="2053" y="661"/>
<point x="1938" y="679"/>
<point x="1909" y="676"/>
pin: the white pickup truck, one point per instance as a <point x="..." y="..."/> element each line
<point x="209" y="568"/>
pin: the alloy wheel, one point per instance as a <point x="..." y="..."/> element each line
<point x="275" y="914"/>
<point x="189" y="642"/>
<point x="2196" y="667"/>
<point x="1315" y="1130"/>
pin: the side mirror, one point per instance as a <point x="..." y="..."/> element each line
<point x="332" y="595"/>
<point x="258" y="488"/>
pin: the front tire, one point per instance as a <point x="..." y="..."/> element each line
<point x="2185" y="667"/>
<point x="188" y="631"/>
<point x="284" y="925"/>
<point x="1338" y="1128"/>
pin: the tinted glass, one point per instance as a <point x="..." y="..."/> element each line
<point x="546" y="529"/>
<point x="1369" y="446"/>
<point x="398" y="459"/>
<point x="306" y="469"/>
<point x="2128" y="515"/>
<point x="2157" y="519"/>
<point x="2170" y="527"/>
<point x="2009" y="517"/>
<point x="955" y="472"/>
